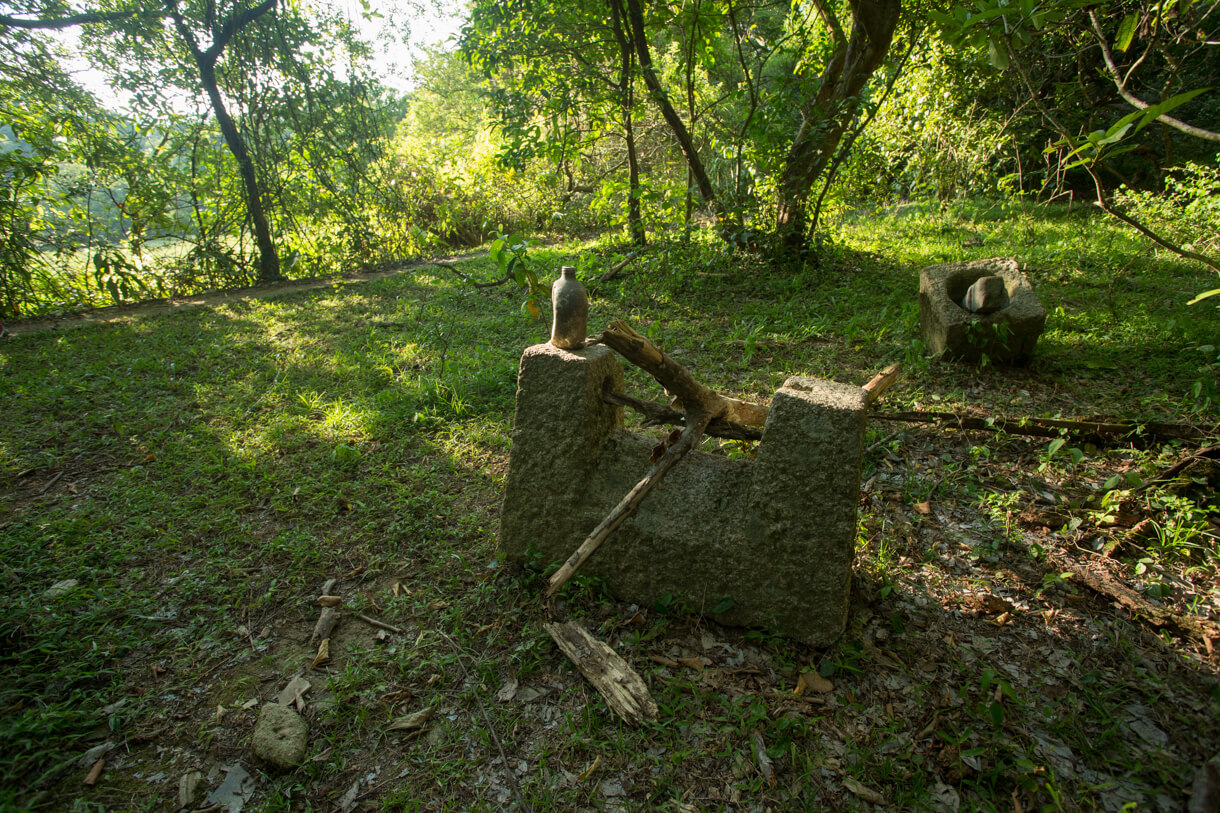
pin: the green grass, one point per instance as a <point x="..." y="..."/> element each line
<point x="201" y="474"/>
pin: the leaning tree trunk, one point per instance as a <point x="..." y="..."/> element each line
<point x="727" y="225"/>
<point x="825" y="118"/>
<point x="205" y="62"/>
<point x="268" y="257"/>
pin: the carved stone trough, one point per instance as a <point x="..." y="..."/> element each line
<point x="766" y="542"/>
<point x="1005" y="335"/>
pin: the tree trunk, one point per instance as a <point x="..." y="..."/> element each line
<point x="635" y="220"/>
<point x="826" y="116"/>
<point x="676" y="125"/>
<point x="268" y="257"/>
<point x="205" y="62"/>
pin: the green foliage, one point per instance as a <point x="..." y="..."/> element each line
<point x="1186" y="208"/>
<point x="934" y="138"/>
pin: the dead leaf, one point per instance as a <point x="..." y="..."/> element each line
<point x="592" y="769"/>
<point x="323" y="654"/>
<point x="190" y="789"/>
<point x="294" y="692"/>
<point x="865" y="793"/>
<point x="995" y="604"/>
<point x="508" y="691"/>
<point x="692" y="663"/>
<point x="1002" y="619"/>
<point x="664" y="661"/>
<point x="764" y="761"/>
<point x="330" y="601"/>
<point x="811" y="681"/>
<point x="396" y="696"/>
<point x="412" y="722"/>
<point x="924" y="507"/>
<point x="95" y="773"/>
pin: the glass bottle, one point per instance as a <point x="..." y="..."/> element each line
<point x="570" y="305"/>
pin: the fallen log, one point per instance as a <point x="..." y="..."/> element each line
<point x="1101" y="582"/>
<point x="1098" y="433"/>
<point x="621" y="686"/>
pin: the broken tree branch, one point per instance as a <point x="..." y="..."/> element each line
<point x="626" y="507"/>
<point x="621" y="264"/>
<point x="466" y="278"/>
<point x="881" y="382"/>
<point x="656" y="414"/>
<point x="1096" y="432"/>
<point x="693" y="396"/>
<point x="621" y="686"/>
<point x="1101" y="582"/>
<point x="1169" y="474"/>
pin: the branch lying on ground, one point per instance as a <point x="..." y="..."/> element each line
<point x="466" y="278"/>
<point x="1096" y="432"/>
<point x="621" y="264"/>
<point x="621" y="686"/>
<point x="1101" y="582"/>
<point x="1210" y="453"/>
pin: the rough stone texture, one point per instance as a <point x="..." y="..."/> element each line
<point x="280" y="736"/>
<point x="986" y="295"/>
<point x="770" y="540"/>
<point x="949" y="330"/>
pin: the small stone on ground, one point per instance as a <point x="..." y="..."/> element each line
<point x="280" y="736"/>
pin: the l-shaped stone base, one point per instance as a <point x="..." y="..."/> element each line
<point x="767" y="542"/>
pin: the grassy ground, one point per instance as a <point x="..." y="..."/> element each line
<point x="175" y="490"/>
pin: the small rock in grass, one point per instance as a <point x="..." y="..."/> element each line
<point x="280" y="736"/>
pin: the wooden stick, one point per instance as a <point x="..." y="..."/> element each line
<point x="1210" y="453"/>
<point x="51" y="482"/>
<point x="881" y="382"/>
<point x="379" y="624"/>
<point x="626" y="507"/>
<point x="621" y="686"/>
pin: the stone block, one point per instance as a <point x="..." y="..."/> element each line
<point x="280" y="737"/>
<point x="767" y="542"/>
<point x="949" y="330"/>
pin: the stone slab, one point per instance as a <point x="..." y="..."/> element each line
<point x="769" y="542"/>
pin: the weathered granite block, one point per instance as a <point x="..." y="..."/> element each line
<point x="767" y="542"/>
<point x="1007" y="335"/>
